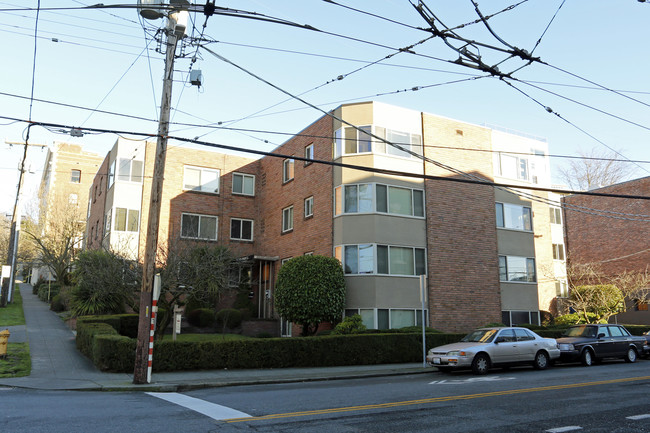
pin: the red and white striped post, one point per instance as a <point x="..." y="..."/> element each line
<point x="154" y="313"/>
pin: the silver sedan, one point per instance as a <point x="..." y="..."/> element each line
<point x="487" y="347"/>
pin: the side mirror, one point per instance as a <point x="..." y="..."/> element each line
<point x="601" y="335"/>
<point x="499" y="340"/>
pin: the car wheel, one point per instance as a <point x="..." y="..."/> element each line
<point x="481" y="364"/>
<point x="630" y="356"/>
<point x="541" y="361"/>
<point x="587" y="358"/>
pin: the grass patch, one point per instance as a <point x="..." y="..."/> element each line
<point x="17" y="362"/>
<point x="197" y="338"/>
<point x="12" y="314"/>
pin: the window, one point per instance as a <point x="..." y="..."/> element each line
<point x="287" y="170"/>
<point x="73" y="198"/>
<point x="309" y="153"/>
<point x="513" y="268"/>
<point x="385" y="318"/>
<point x="514" y="318"/>
<point x="107" y="223"/>
<point x="512" y="167"/>
<point x="75" y="176"/>
<point x="287" y="219"/>
<point x="558" y="252"/>
<point x="195" y="226"/>
<point x="111" y="176"/>
<point x="201" y="179"/>
<point x="367" y="197"/>
<point x="126" y="220"/>
<point x="512" y="216"/>
<point x="129" y="170"/>
<point x="353" y="140"/>
<point x="561" y="289"/>
<point x="381" y="259"/>
<point x="309" y="207"/>
<point x="556" y="215"/>
<point x="243" y="184"/>
<point x="241" y="229"/>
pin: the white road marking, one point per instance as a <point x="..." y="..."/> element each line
<point x="638" y="417"/>
<point x="564" y="429"/>
<point x="214" y="411"/>
<point x="470" y="380"/>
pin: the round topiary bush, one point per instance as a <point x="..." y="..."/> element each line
<point x="57" y="305"/>
<point x="229" y="318"/>
<point x="201" y="317"/>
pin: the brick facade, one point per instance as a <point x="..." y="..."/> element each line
<point x="461" y="229"/>
<point x="615" y="244"/>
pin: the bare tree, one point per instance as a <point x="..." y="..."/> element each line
<point x="595" y="169"/>
<point x="57" y="237"/>
<point x="191" y="270"/>
<point x="635" y="286"/>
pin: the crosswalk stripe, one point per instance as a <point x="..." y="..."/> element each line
<point x="638" y="417"/>
<point x="212" y="410"/>
<point x="564" y="429"/>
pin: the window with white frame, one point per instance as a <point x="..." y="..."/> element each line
<point x="512" y="216"/>
<point x="129" y="170"/>
<point x="381" y="259"/>
<point x="126" y="220"/>
<point x="195" y="226"/>
<point x="555" y="215"/>
<point x="73" y="198"/>
<point x="287" y="170"/>
<point x="561" y="289"/>
<point x="380" y="198"/>
<point x="111" y="176"/>
<point x="518" y="269"/>
<point x="287" y="219"/>
<point x="75" y="176"/>
<point x="201" y="179"/>
<point x="107" y="222"/>
<point x="309" y="153"/>
<point x="558" y="252"/>
<point x="512" y="166"/>
<point x="241" y="229"/>
<point x="388" y="318"/>
<point x="309" y="207"/>
<point x="354" y="140"/>
<point x="243" y="184"/>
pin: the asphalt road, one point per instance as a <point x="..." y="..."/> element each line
<point x="611" y="397"/>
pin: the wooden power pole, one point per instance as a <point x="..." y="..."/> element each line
<point x="142" y="355"/>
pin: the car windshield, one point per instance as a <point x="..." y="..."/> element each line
<point x="580" y="331"/>
<point x="480" y="336"/>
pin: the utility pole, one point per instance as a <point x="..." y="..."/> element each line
<point x="174" y="30"/>
<point x="12" y="252"/>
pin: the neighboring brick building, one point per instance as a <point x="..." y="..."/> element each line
<point x="63" y="193"/>
<point x="615" y="241"/>
<point x="480" y="248"/>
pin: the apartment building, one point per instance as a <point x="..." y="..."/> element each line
<point x="68" y="173"/>
<point x="388" y="213"/>
<point x="615" y="241"/>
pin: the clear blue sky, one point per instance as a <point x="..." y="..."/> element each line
<point x="105" y="59"/>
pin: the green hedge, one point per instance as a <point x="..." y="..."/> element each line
<point x="99" y="340"/>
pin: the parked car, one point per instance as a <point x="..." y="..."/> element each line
<point x="646" y="348"/>
<point x="592" y="343"/>
<point x="499" y="346"/>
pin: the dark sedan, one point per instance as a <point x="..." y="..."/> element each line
<point x="591" y="343"/>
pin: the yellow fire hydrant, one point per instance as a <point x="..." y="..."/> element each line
<point x="4" y="339"/>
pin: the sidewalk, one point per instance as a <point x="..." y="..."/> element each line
<point x="57" y="365"/>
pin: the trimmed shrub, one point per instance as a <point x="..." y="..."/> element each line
<point x="46" y="289"/>
<point x="575" y="318"/>
<point x="350" y="325"/>
<point x="201" y="317"/>
<point x="57" y="305"/>
<point x="229" y="318"/>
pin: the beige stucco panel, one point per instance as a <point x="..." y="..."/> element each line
<point x="382" y="229"/>
<point x="382" y="292"/>
<point x="519" y="296"/>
